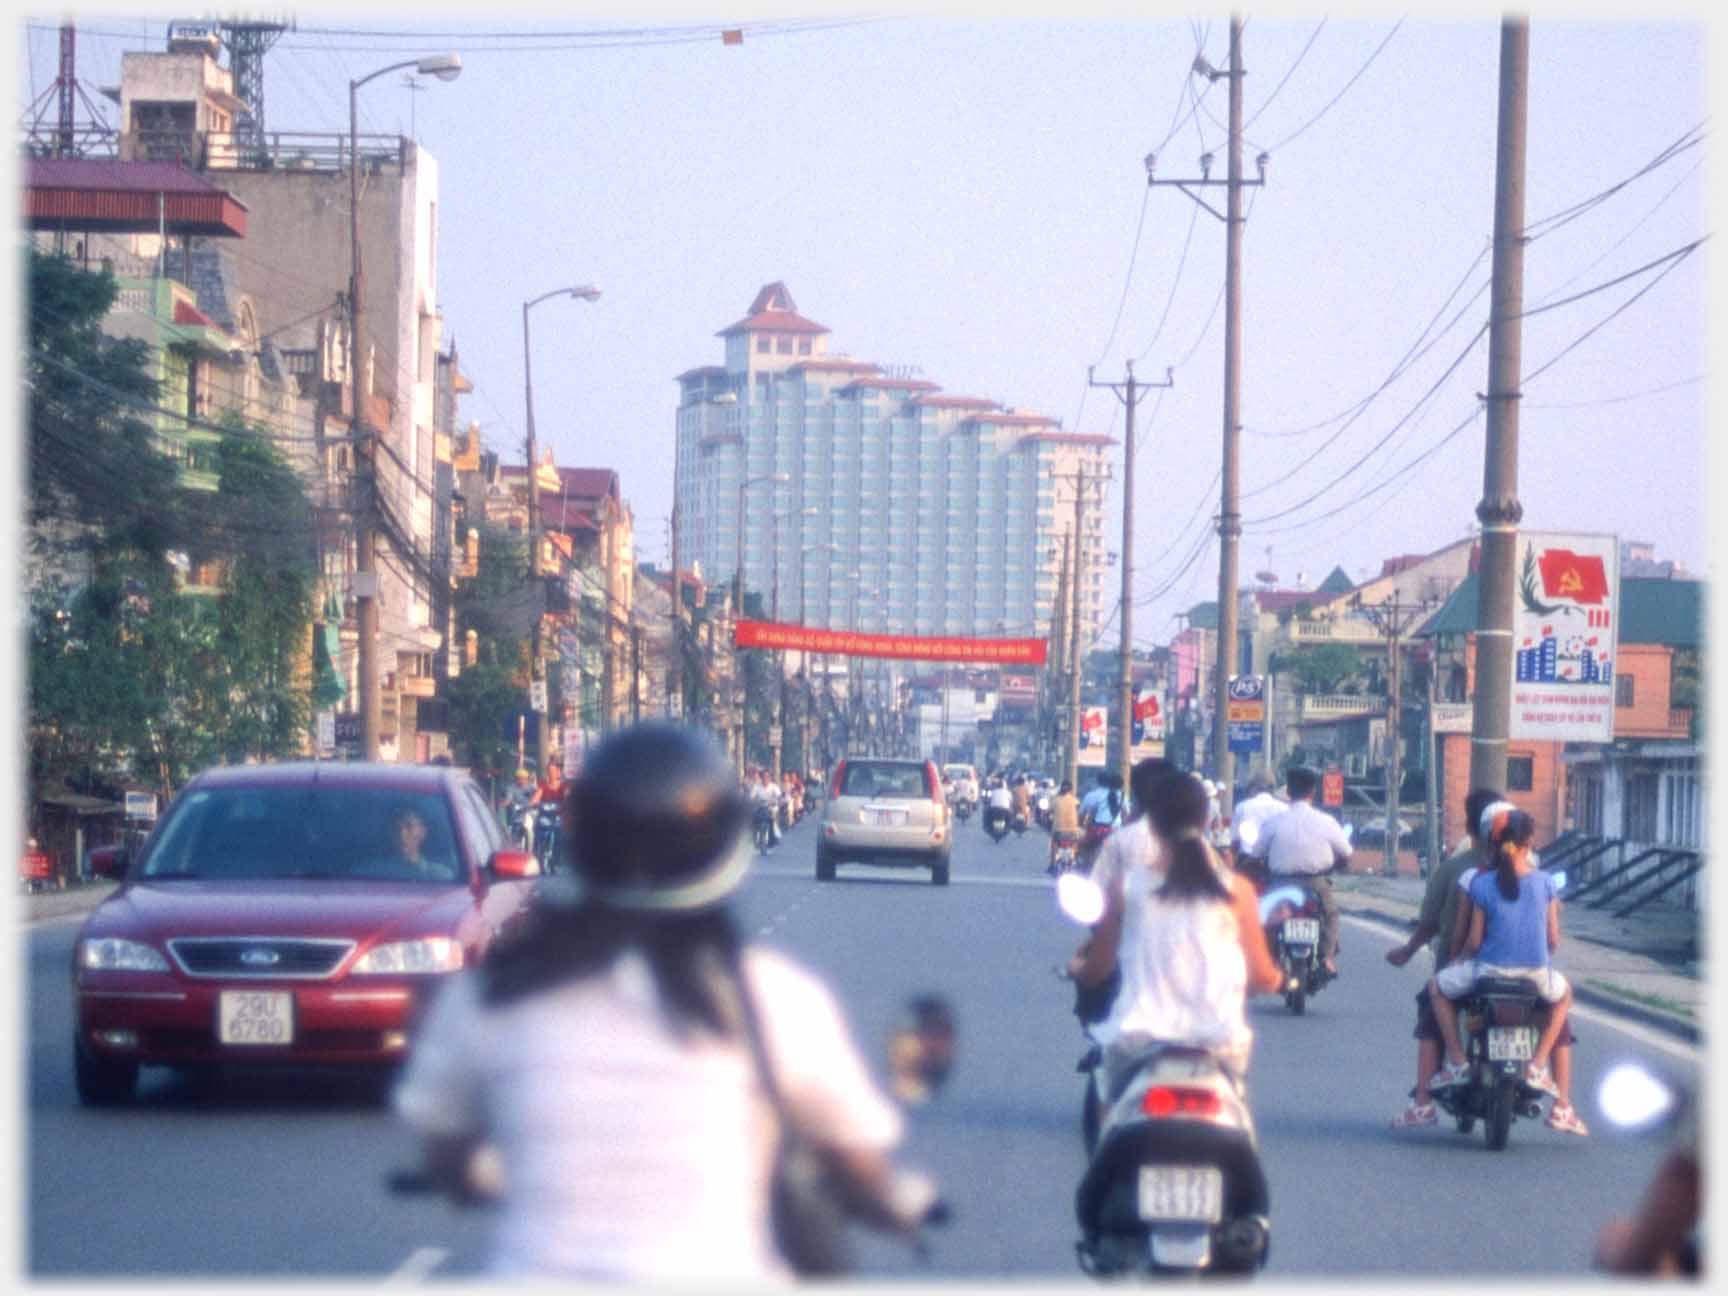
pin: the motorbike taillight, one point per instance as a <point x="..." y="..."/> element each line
<point x="1172" y="1100"/>
<point x="1311" y="906"/>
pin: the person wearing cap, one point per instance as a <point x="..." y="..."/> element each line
<point x="1306" y="844"/>
<point x="1514" y="931"/>
<point x="625" y="1056"/>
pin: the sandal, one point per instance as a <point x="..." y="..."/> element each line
<point x="1452" y="1073"/>
<point x="1415" y="1116"/>
<point x="1537" y="1077"/>
<point x="1561" y="1117"/>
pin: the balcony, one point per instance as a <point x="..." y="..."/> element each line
<point x="1336" y="706"/>
<point x="1344" y="630"/>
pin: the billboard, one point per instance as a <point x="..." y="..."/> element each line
<point x="1565" y="629"/>
<point x="1093" y="748"/>
<point x="1148" y="732"/>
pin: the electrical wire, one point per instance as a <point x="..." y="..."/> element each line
<point x="1547" y="225"/>
<point x="1619" y="242"/>
<point x="1614" y="400"/>
<point x="1287" y="75"/>
<point x="1300" y="130"/>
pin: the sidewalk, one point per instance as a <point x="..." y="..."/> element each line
<point x="1646" y="966"/>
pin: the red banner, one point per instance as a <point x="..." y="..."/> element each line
<point x="1580" y="577"/>
<point x="847" y="643"/>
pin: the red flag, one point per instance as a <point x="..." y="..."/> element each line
<point x="1579" y="577"/>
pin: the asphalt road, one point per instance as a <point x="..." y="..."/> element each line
<point x="276" y="1176"/>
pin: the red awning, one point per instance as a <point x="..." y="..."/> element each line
<point x="98" y="196"/>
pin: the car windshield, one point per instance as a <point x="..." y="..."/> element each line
<point x="903" y="781"/>
<point x="258" y="833"/>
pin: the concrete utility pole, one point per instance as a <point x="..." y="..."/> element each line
<point x="1500" y="512"/>
<point x="1130" y="394"/>
<point x="1058" y="653"/>
<point x="1393" y="619"/>
<point x="1075" y="656"/>
<point x="1229" y="516"/>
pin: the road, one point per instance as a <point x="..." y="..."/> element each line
<point x="272" y="1176"/>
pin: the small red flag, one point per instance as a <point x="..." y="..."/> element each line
<point x="1579" y="577"/>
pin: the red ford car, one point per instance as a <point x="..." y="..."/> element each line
<point x="293" y="913"/>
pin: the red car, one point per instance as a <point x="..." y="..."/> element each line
<point x="294" y="913"/>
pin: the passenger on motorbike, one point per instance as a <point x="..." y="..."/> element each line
<point x="604" y="1052"/>
<point x="1513" y="934"/>
<point x="1246" y="819"/>
<point x="1434" y="925"/>
<point x="1100" y="813"/>
<point x="1305" y="844"/>
<point x="1188" y="941"/>
<point x="1064" y="822"/>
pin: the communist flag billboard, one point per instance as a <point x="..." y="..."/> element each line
<point x="1579" y="577"/>
<point x="851" y="643"/>
<point x="1565" y="632"/>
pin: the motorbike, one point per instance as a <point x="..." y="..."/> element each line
<point x="1041" y="810"/>
<point x="1173" y="1184"/>
<point x="762" y="828"/>
<point x="996" y="821"/>
<point x="962" y="809"/>
<point x="1500" y="1021"/>
<point x="1018" y="823"/>
<point x="546" y="827"/>
<point x="517" y="829"/>
<point x="1290" y="912"/>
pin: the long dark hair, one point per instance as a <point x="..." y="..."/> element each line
<point x="1178" y="808"/>
<point x="1517" y="829"/>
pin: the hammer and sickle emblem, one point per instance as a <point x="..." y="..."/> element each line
<point x="1571" y="583"/>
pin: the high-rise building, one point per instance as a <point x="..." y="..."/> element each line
<point x="869" y="499"/>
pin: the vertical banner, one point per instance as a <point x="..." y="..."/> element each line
<point x="1565" y="630"/>
<point x="1092" y="732"/>
<point x="1246" y="721"/>
<point x="1148" y="731"/>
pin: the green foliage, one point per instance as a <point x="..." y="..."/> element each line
<point x="1320" y="668"/>
<point x="480" y="697"/>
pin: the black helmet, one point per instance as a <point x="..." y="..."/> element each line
<point x="657" y="821"/>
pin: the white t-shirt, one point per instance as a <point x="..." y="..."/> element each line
<point x="1255" y="810"/>
<point x="1301" y="840"/>
<point x="629" y="1154"/>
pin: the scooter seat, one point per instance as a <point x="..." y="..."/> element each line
<point x="1504" y="987"/>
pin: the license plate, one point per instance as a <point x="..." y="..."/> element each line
<point x="1511" y="1043"/>
<point x="1301" y="931"/>
<point x="884" y="818"/>
<point x="1194" y="1193"/>
<point x="250" y="1017"/>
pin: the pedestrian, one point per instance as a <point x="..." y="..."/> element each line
<point x="611" y="1052"/>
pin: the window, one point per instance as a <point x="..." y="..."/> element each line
<point x="762" y="345"/>
<point x="1642" y="791"/>
<point x="1520" y="773"/>
<point x="783" y="345"/>
<point x="803" y="346"/>
<point x="1625" y="692"/>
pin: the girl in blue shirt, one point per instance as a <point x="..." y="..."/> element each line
<point x="1514" y="931"/>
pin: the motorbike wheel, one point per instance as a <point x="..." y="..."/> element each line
<point x="1497" y="1123"/>
<point x="824" y="866"/>
<point x="1298" y="999"/>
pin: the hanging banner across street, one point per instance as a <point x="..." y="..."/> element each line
<point x="1093" y="751"/>
<point x="848" y="643"/>
<point x="1565" y="629"/>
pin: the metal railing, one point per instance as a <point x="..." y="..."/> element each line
<point x="1643" y="872"/>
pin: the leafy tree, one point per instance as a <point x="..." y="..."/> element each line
<point x="1319" y="668"/>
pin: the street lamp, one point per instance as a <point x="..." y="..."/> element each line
<point x="536" y="669"/>
<point x="738" y="584"/>
<point x="446" y="67"/>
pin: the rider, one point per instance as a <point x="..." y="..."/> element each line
<point x="1434" y="924"/>
<point x="1251" y="813"/>
<point x="1064" y="822"/>
<point x="1188" y="940"/>
<point x="765" y="798"/>
<point x="1001" y="804"/>
<point x="1304" y="843"/>
<point x="1022" y="792"/>
<point x="520" y="800"/>
<point x="1100" y="812"/>
<point x="1513" y="934"/>
<point x="604" y="1052"/>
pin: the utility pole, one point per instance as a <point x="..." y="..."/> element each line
<point x="635" y="673"/>
<point x="1393" y="619"/>
<point x="1058" y="653"/>
<point x="1229" y="516"/>
<point x="1500" y="512"/>
<point x="1074" y="654"/>
<point x="365" y="465"/>
<point x="1130" y="394"/>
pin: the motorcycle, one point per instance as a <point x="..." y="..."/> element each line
<point x="1173" y="1183"/>
<point x="1041" y="811"/>
<point x="762" y="827"/>
<point x="546" y="827"/>
<point x="1065" y="857"/>
<point x="1018" y="823"/>
<point x="1500" y="1021"/>
<point x="996" y="820"/>
<point x="1290" y="913"/>
<point x="962" y="809"/>
<point x="517" y="829"/>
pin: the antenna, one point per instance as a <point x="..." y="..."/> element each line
<point x="247" y="42"/>
<point x="66" y="93"/>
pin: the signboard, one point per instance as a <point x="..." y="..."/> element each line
<point x="847" y="643"/>
<point x="35" y="866"/>
<point x="1565" y="627"/>
<point x="326" y="730"/>
<point x="141" y="805"/>
<point x="347" y="727"/>
<point x="537" y="695"/>
<point x="1245" y="717"/>
<point x="1092" y="730"/>
<point x="1019" y="690"/>
<point x="1147" y="734"/>
<point x="1452" y="717"/>
<point x="1332" y="787"/>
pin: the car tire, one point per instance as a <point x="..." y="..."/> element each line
<point x="102" y="1083"/>
<point x="939" y="871"/>
<point x="824" y="866"/>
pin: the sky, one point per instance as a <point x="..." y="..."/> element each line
<point x="967" y="195"/>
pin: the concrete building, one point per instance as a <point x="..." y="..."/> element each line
<point x="903" y="510"/>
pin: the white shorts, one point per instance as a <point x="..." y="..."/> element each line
<point x="1456" y="979"/>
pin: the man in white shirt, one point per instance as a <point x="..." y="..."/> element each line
<point x="1304" y="843"/>
<point x="1259" y="805"/>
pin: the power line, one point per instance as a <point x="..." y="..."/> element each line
<point x="1346" y="90"/>
<point x="1616" y="400"/>
<point x="1287" y="75"/>
<point x="1535" y="229"/>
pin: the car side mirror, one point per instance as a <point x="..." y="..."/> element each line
<point x="513" y="865"/>
<point x="109" y="861"/>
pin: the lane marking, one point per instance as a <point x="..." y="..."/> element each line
<point x="911" y="874"/>
<point x="418" y="1266"/>
<point x="1646" y="1035"/>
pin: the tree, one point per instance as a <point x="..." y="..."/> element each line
<point x="1319" y="668"/>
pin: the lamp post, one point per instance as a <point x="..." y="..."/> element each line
<point x="809" y="683"/>
<point x="446" y="67"/>
<point x="536" y="667"/>
<point x="778" y="478"/>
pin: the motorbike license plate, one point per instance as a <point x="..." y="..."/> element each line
<point x="1301" y="931"/>
<point x="1511" y="1043"/>
<point x="877" y="818"/>
<point x="1193" y="1193"/>
<point x="250" y="1017"/>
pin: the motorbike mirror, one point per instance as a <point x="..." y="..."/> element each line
<point x="1080" y="898"/>
<point x="1635" y="1098"/>
<point x="921" y="1048"/>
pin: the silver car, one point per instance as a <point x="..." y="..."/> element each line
<point x="885" y="812"/>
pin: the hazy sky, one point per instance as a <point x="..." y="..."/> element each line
<point x="967" y="195"/>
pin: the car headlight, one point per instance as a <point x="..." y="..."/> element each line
<point x="110" y="954"/>
<point x="428" y="954"/>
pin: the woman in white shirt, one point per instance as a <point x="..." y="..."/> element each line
<point x="604" y="1053"/>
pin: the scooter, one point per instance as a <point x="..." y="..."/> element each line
<point x="1018" y="823"/>
<point x="762" y="825"/>
<point x="546" y="827"/>
<point x="1041" y="810"/>
<point x="996" y="820"/>
<point x="1173" y="1185"/>
<point x="1290" y="913"/>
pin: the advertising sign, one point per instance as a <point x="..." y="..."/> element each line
<point x="1148" y="732"/>
<point x="1565" y="628"/>
<point x="1019" y="690"/>
<point x="848" y="643"/>
<point x="1245" y="719"/>
<point x="140" y="805"/>
<point x="1092" y="730"/>
<point x="1332" y="787"/>
<point x="1452" y="717"/>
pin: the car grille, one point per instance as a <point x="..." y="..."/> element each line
<point x="259" y="956"/>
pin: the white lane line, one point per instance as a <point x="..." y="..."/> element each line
<point x="1649" y="1036"/>
<point x="904" y="875"/>
<point x="418" y="1266"/>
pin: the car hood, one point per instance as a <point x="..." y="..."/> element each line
<point x="355" y="910"/>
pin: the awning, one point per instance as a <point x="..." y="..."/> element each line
<point x="328" y="686"/>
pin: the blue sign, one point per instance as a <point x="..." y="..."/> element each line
<point x="1245" y="719"/>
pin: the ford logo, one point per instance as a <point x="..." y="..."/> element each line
<point x="260" y="958"/>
